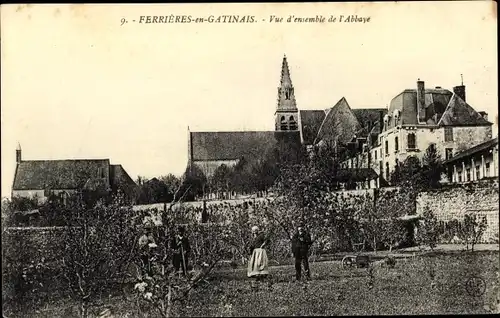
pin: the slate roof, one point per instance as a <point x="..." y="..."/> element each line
<point x="310" y="122"/>
<point x="211" y="146"/>
<point x="339" y="125"/>
<point x="436" y="101"/>
<point x="60" y="174"/>
<point x="442" y="107"/>
<point x="459" y="113"/>
<point x="478" y="148"/>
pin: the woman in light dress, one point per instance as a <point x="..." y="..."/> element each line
<point x="258" y="263"/>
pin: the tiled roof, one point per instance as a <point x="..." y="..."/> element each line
<point x="481" y="147"/>
<point x="61" y="174"/>
<point x="212" y="146"/>
<point x="339" y="125"/>
<point x="459" y="113"/>
<point x="310" y="121"/>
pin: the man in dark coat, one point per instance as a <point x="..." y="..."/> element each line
<point x="181" y="247"/>
<point x="301" y="242"/>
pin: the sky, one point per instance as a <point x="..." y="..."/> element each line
<point x="76" y="84"/>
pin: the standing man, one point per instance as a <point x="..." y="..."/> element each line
<point x="181" y="247"/>
<point x="301" y="242"/>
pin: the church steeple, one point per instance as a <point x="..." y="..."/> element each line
<point x="286" y="110"/>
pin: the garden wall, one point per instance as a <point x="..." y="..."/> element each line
<point x="452" y="203"/>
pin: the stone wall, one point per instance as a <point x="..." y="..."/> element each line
<point x="455" y="201"/>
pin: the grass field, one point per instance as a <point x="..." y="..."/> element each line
<point x="406" y="289"/>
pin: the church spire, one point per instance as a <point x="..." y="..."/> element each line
<point x="286" y="94"/>
<point x="286" y="116"/>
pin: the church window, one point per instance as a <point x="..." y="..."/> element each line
<point x="375" y="154"/>
<point x="386" y="147"/>
<point x="387" y="175"/>
<point x="412" y="143"/>
<point x="396" y="144"/>
<point x="283" y="124"/>
<point x="292" y="123"/>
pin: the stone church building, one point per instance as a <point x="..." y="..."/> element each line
<point x="293" y="127"/>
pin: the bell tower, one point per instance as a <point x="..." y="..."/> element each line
<point x="286" y="116"/>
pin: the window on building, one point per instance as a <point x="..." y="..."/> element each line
<point x="292" y="123"/>
<point x="396" y="144"/>
<point x="487" y="172"/>
<point x="467" y="175"/>
<point x="448" y="134"/>
<point x="478" y="174"/>
<point x="386" y="147"/>
<point x="375" y="154"/>
<point x="387" y="175"/>
<point x="381" y="168"/>
<point x="412" y="142"/>
<point x="283" y="123"/>
<point x="448" y="153"/>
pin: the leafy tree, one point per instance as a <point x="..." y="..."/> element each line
<point x="428" y="231"/>
<point x="221" y="179"/>
<point x="472" y="229"/>
<point x="194" y="183"/>
<point x="432" y="167"/>
<point x="172" y="182"/>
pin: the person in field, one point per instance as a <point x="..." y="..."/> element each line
<point x="181" y="248"/>
<point x="258" y="263"/>
<point x="301" y="242"/>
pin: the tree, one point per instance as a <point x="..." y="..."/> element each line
<point x="472" y="229"/>
<point x="194" y="183"/>
<point x="221" y="179"/>
<point x="428" y="231"/>
<point x="97" y="243"/>
<point x="432" y="167"/>
<point x="172" y="182"/>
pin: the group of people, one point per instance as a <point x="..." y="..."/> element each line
<point x="258" y="261"/>
<point x="179" y="244"/>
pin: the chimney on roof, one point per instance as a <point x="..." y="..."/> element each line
<point x="460" y="91"/>
<point x="420" y="100"/>
<point x="18" y="153"/>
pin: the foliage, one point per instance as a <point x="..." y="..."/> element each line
<point x="429" y="230"/>
<point x="419" y="175"/>
<point x="472" y="230"/>
<point x="97" y="243"/>
<point x="194" y="183"/>
<point x="432" y="167"/>
<point x="23" y="203"/>
<point x="158" y="286"/>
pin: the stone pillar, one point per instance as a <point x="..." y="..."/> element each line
<point x="495" y="162"/>
<point x="473" y="170"/>
<point x="483" y="166"/>
<point x="464" y="175"/>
